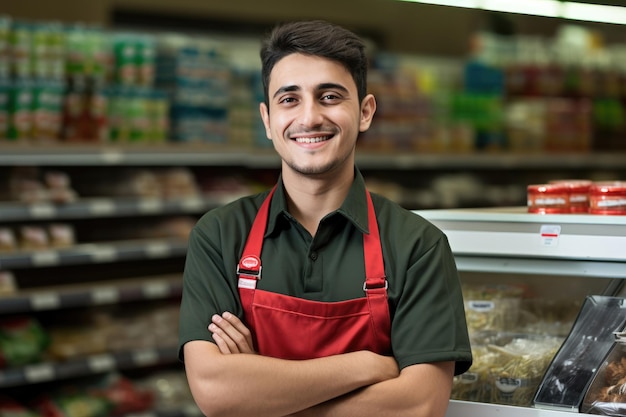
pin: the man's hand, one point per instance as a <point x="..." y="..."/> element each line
<point x="230" y="334"/>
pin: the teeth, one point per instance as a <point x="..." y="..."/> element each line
<point x="311" y="140"/>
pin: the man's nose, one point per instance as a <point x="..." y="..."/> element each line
<point x="312" y="114"/>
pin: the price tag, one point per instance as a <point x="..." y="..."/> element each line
<point x="105" y="296"/>
<point x="192" y="204"/>
<point x="103" y="253"/>
<point x="45" y="258"/>
<point x="151" y="205"/>
<point x="45" y="301"/>
<point x="42" y="211"/>
<point x="39" y="373"/>
<point x="158" y="250"/>
<point x="101" y="207"/>
<point x="481" y="306"/>
<point x="101" y="363"/>
<point x="112" y="156"/>
<point x="146" y="357"/>
<point x="550" y="234"/>
<point x="156" y="290"/>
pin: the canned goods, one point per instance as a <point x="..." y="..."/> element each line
<point x="548" y="198"/>
<point x="578" y="194"/>
<point x="608" y="198"/>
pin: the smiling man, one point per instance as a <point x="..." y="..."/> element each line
<point x="317" y="298"/>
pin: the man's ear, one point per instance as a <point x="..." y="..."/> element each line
<point x="265" y="116"/>
<point x="368" y="108"/>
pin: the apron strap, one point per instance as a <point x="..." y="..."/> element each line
<point x="372" y="251"/>
<point x="249" y="267"/>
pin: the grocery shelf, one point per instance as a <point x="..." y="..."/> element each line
<point x="92" y="253"/>
<point x="514" y="233"/>
<point x="85" y="295"/>
<point x="85" y="366"/>
<point x="190" y="154"/>
<point x="104" y="207"/>
<point x="466" y="408"/>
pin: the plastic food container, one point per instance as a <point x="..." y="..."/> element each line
<point x="548" y="198"/>
<point x="578" y="194"/>
<point x="608" y="198"/>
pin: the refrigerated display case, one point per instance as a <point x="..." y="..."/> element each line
<point x="526" y="278"/>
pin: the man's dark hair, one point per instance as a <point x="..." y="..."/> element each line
<point x="315" y="38"/>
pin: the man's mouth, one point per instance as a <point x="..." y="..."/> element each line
<point x="316" y="139"/>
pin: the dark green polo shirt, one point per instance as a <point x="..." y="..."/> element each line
<point x="426" y="305"/>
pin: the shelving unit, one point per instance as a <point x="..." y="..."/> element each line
<point x="509" y="238"/>
<point x="498" y="243"/>
<point x="171" y="154"/>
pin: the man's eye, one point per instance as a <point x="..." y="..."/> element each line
<point x="288" y="100"/>
<point x="330" y="97"/>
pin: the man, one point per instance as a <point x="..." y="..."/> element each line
<point x="315" y="298"/>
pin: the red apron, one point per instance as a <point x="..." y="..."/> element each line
<point x="294" y="328"/>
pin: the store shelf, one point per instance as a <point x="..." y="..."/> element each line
<point x="105" y="207"/>
<point x="467" y="408"/>
<point x="514" y="233"/>
<point x="506" y="242"/>
<point x="86" y="295"/>
<point x="93" y="253"/>
<point x="90" y="365"/>
<point x="211" y="155"/>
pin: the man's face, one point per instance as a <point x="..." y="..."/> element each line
<point x="314" y="114"/>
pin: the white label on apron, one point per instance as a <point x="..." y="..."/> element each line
<point x="249" y="284"/>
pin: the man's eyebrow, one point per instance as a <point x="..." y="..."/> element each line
<point x="332" y="86"/>
<point x="286" y="89"/>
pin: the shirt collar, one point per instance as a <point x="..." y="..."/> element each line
<point x="354" y="207"/>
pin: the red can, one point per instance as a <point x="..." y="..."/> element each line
<point x="548" y="198"/>
<point x="608" y="198"/>
<point x="578" y="194"/>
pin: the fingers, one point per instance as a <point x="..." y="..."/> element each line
<point x="230" y="334"/>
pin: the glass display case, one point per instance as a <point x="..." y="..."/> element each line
<point x="526" y="278"/>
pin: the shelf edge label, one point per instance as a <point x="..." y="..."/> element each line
<point x="550" y="234"/>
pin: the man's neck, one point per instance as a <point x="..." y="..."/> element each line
<point x="309" y="200"/>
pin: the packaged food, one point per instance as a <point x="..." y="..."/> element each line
<point x="33" y="238"/>
<point x="607" y="393"/>
<point x="608" y="198"/>
<point x="521" y="362"/>
<point x="548" y="198"/>
<point x="61" y="235"/>
<point x="7" y="240"/>
<point x="22" y="341"/>
<point x="578" y="193"/>
<point x="492" y="307"/>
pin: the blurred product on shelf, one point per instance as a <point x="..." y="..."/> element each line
<point x="7" y="280"/>
<point x="509" y="368"/>
<point x="33" y="238"/>
<point x="548" y="198"/>
<point x="492" y="307"/>
<point x="115" y="329"/>
<point x="108" y="395"/>
<point x="82" y="83"/>
<point x="577" y="197"/>
<point x="155" y="183"/>
<point x="22" y="341"/>
<point x="608" y="198"/>
<point x="31" y="185"/>
<point x="577" y="194"/>
<point x="8" y="243"/>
